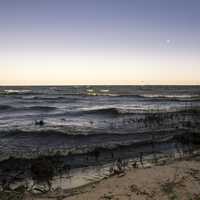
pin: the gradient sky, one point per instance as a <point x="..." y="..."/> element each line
<point x="99" y="42"/>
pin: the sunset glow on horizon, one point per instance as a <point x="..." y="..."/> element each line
<point x="99" y="42"/>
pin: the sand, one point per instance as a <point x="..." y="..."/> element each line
<point x="178" y="180"/>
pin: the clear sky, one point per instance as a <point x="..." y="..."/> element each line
<point x="99" y="42"/>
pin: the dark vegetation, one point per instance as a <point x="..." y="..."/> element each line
<point x="16" y="194"/>
<point x="42" y="171"/>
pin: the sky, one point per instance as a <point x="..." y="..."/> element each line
<point x="68" y="42"/>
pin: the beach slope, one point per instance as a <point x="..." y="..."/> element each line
<point x="177" y="180"/>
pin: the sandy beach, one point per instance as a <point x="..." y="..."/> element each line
<point x="179" y="179"/>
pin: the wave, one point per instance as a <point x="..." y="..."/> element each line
<point x="172" y="97"/>
<point x="11" y="91"/>
<point x="91" y="138"/>
<point x="5" y="107"/>
<point x="40" y="108"/>
<point x="37" y="95"/>
<point x="151" y="96"/>
<point x="31" y="108"/>
<point x="49" y="142"/>
<point x="43" y="98"/>
<point x="85" y="134"/>
<point x="114" y="111"/>
<point x="136" y="111"/>
<point x="148" y="97"/>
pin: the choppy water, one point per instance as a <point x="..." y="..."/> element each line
<point x="81" y="118"/>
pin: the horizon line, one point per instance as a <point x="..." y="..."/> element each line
<point x="27" y="85"/>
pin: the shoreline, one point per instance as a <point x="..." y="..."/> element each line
<point x="93" y="169"/>
<point x="89" y="191"/>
